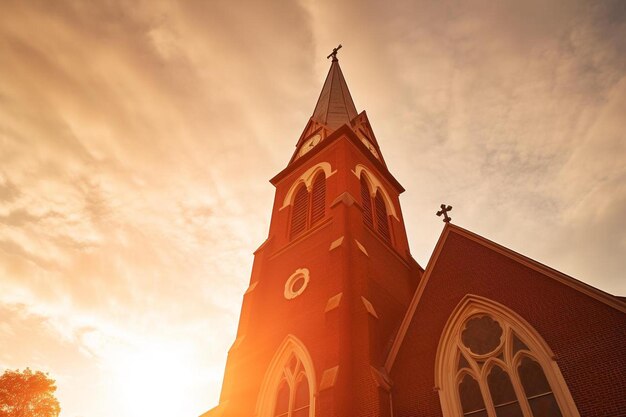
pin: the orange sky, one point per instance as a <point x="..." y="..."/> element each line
<point x="137" y="140"/>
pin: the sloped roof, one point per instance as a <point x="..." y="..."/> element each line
<point x="606" y="298"/>
<point x="334" y="106"/>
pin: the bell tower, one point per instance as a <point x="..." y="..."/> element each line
<point x="331" y="283"/>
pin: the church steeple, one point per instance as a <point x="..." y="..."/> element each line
<point x="330" y="284"/>
<point x="334" y="109"/>
<point x="334" y="106"/>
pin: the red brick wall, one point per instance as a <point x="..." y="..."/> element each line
<point x="348" y="336"/>
<point x="587" y="336"/>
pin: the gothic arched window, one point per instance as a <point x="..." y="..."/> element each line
<point x="492" y="365"/>
<point x="374" y="209"/>
<point x="293" y="397"/>
<point x="308" y="207"/>
<point x="289" y="384"/>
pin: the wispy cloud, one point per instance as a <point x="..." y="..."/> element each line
<point x="136" y="140"/>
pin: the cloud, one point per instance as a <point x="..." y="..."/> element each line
<point x="137" y="138"/>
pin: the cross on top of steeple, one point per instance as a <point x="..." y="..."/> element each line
<point x="334" y="53"/>
<point x="334" y="106"/>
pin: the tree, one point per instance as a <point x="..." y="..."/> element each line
<point x="27" y="394"/>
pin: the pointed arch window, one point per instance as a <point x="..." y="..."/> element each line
<point x="288" y="388"/>
<point x="374" y="209"/>
<point x="309" y="207"/>
<point x="293" y="398"/>
<point x="499" y="370"/>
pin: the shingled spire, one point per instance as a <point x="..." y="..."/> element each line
<point x="334" y="106"/>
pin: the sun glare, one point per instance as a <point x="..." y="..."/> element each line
<point x="152" y="382"/>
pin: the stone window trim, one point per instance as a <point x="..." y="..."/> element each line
<point x="307" y="179"/>
<point x="278" y="370"/>
<point x="308" y="207"/>
<point x="448" y="376"/>
<point x="375" y="205"/>
<point x="291" y="290"/>
<point x="375" y="186"/>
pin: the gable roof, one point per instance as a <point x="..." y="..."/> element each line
<point x="612" y="301"/>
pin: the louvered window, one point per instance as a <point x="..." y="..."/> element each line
<point x="382" y="222"/>
<point x="300" y="211"/>
<point x="318" y="199"/>
<point x="308" y="208"/>
<point x="366" y="201"/>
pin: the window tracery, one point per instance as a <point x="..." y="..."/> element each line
<point x="490" y="364"/>
<point x="293" y="397"/>
<point x="289" y="384"/>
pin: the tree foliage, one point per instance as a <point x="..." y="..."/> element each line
<point x="27" y="394"/>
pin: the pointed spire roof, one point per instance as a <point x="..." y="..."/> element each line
<point x="334" y="107"/>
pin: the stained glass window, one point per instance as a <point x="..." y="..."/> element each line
<point x="485" y="341"/>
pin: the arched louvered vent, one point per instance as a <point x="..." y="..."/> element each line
<point x="299" y="212"/>
<point x="318" y="198"/>
<point x="366" y="202"/>
<point x="382" y="221"/>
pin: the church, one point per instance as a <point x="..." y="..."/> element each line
<point x="339" y="320"/>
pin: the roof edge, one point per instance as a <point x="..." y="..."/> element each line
<point x="602" y="296"/>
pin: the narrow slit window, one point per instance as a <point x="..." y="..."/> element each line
<point x="382" y="220"/>
<point x="366" y="202"/>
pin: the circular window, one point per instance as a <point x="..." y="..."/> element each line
<point x="482" y="335"/>
<point x="296" y="283"/>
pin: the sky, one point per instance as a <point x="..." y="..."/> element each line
<point x="137" y="139"/>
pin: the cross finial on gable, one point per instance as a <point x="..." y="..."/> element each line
<point x="444" y="210"/>
<point x="334" y="53"/>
